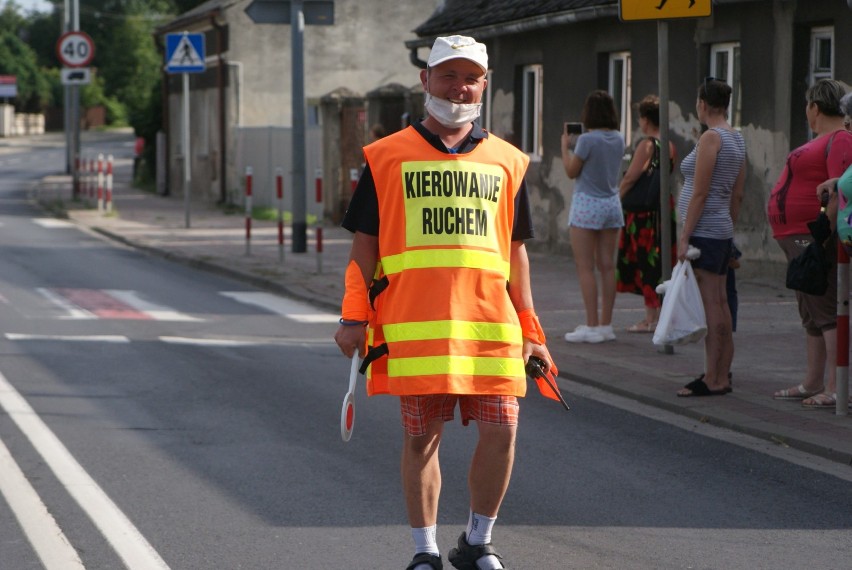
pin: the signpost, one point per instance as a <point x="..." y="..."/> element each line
<point x="662" y="11"/>
<point x="75" y="50"/>
<point x="185" y="54"/>
<point x="637" y="10"/>
<point x="298" y="13"/>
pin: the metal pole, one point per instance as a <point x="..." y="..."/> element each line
<point x="300" y="224"/>
<point x="187" y="177"/>
<point x="69" y="151"/>
<point x="841" y="407"/>
<point x="665" y="158"/>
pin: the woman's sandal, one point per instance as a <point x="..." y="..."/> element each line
<point x="796" y="393"/>
<point x="820" y="401"/>
<point x="642" y="327"/>
<point x="699" y="388"/>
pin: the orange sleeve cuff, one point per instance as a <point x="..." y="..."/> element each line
<point x="356" y="303"/>
<point x="530" y="327"/>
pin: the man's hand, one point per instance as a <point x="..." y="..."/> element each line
<point x="350" y="339"/>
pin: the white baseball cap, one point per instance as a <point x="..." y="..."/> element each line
<point x="452" y="47"/>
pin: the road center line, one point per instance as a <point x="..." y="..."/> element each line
<point x="45" y="536"/>
<point x="133" y="549"/>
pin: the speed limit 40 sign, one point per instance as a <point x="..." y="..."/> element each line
<point x="75" y="49"/>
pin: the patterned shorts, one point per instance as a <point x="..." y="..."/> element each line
<point x="419" y="411"/>
<point x="591" y="213"/>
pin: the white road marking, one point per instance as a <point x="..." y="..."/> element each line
<point x="71" y="338"/>
<point x="207" y="341"/>
<point x="53" y="223"/>
<point x="156" y="312"/>
<point x="299" y="312"/>
<point x="45" y="536"/>
<point x="74" y="312"/>
<point x="133" y="549"/>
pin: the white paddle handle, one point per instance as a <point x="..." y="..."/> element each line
<point x="353" y="373"/>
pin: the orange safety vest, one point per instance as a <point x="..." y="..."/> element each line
<point x="445" y="237"/>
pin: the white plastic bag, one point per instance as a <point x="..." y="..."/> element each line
<point x="682" y="318"/>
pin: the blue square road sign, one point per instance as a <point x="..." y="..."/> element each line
<point x="185" y="53"/>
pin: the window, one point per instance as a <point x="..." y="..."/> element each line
<point x="621" y="90"/>
<point x="725" y="65"/>
<point x="822" y="54"/>
<point x="531" y="111"/>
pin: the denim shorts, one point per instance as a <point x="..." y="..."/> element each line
<point x="593" y="213"/>
<point x="715" y="254"/>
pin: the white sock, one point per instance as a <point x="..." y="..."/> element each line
<point x="424" y="540"/>
<point x="479" y="529"/>
<point x="479" y="532"/>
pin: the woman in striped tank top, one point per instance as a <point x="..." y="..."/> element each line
<point x="714" y="178"/>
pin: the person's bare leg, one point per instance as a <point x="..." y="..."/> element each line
<point x="421" y="475"/>
<point x="583" y="248"/>
<point x="605" y="260"/>
<point x="817" y="358"/>
<point x="491" y="467"/>
<point x="718" y="317"/>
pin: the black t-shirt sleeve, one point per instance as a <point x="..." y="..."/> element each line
<point x="522" y="227"/>
<point x="363" y="212"/>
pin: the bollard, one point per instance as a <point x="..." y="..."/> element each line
<point x="249" y="173"/>
<point x="279" y="192"/>
<point x="109" y="184"/>
<point x="100" y="183"/>
<point x="842" y="386"/>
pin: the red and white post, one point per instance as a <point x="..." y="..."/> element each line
<point x="842" y="387"/>
<point x="279" y="193"/>
<point x="318" y="187"/>
<point x="109" y="184"/>
<point x="249" y="174"/>
<point x="100" y="183"/>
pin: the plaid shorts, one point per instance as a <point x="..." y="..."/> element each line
<point x="419" y="411"/>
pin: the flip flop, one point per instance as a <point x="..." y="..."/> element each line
<point x="698" y="388"/>
<point x="796" y="393"/>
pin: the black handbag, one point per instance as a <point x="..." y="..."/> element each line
<point x="644" y="196"/>
<point x="808" y="271"/>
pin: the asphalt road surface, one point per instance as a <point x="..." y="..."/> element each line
<point x="154" y="416"/>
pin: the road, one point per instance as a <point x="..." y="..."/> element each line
<point x="152" y="415"/>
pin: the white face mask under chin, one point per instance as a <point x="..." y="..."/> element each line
<point x="451" y="115"/>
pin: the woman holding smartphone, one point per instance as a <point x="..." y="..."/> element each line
<point x="594" y="160"/>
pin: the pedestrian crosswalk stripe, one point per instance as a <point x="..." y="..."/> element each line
<point x="71" y="338"/>
<point x="294" y="310"/>
<point x="52" y="223"/>
<point x="90" y="304"/>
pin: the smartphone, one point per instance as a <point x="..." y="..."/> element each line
<point x="573" y="128"/>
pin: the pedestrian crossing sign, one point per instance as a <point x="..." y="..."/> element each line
<point x="185" y="53"/>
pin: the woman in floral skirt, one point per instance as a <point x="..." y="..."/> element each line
<point x="639" y="264"/>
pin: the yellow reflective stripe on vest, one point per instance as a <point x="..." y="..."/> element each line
<point x="426" y="258"/>
<point x="456" y="365"/>
<point x="462" y="330"/>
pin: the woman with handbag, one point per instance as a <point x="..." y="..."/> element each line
<point x="714" y="179"/>
<point x="792" y="204"/>
<point x="638" y="267"/>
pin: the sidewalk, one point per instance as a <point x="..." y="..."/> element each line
<point x="770" y="343"/>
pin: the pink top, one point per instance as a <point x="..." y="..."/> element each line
<point x="793" y="202"/>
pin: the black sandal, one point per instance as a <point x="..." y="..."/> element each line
<point x="465" y="556"/>
<point x="426" y="558"/>
<point x="698" y="388"/>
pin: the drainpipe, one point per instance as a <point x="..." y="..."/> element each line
<point x="220" y="86"/>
